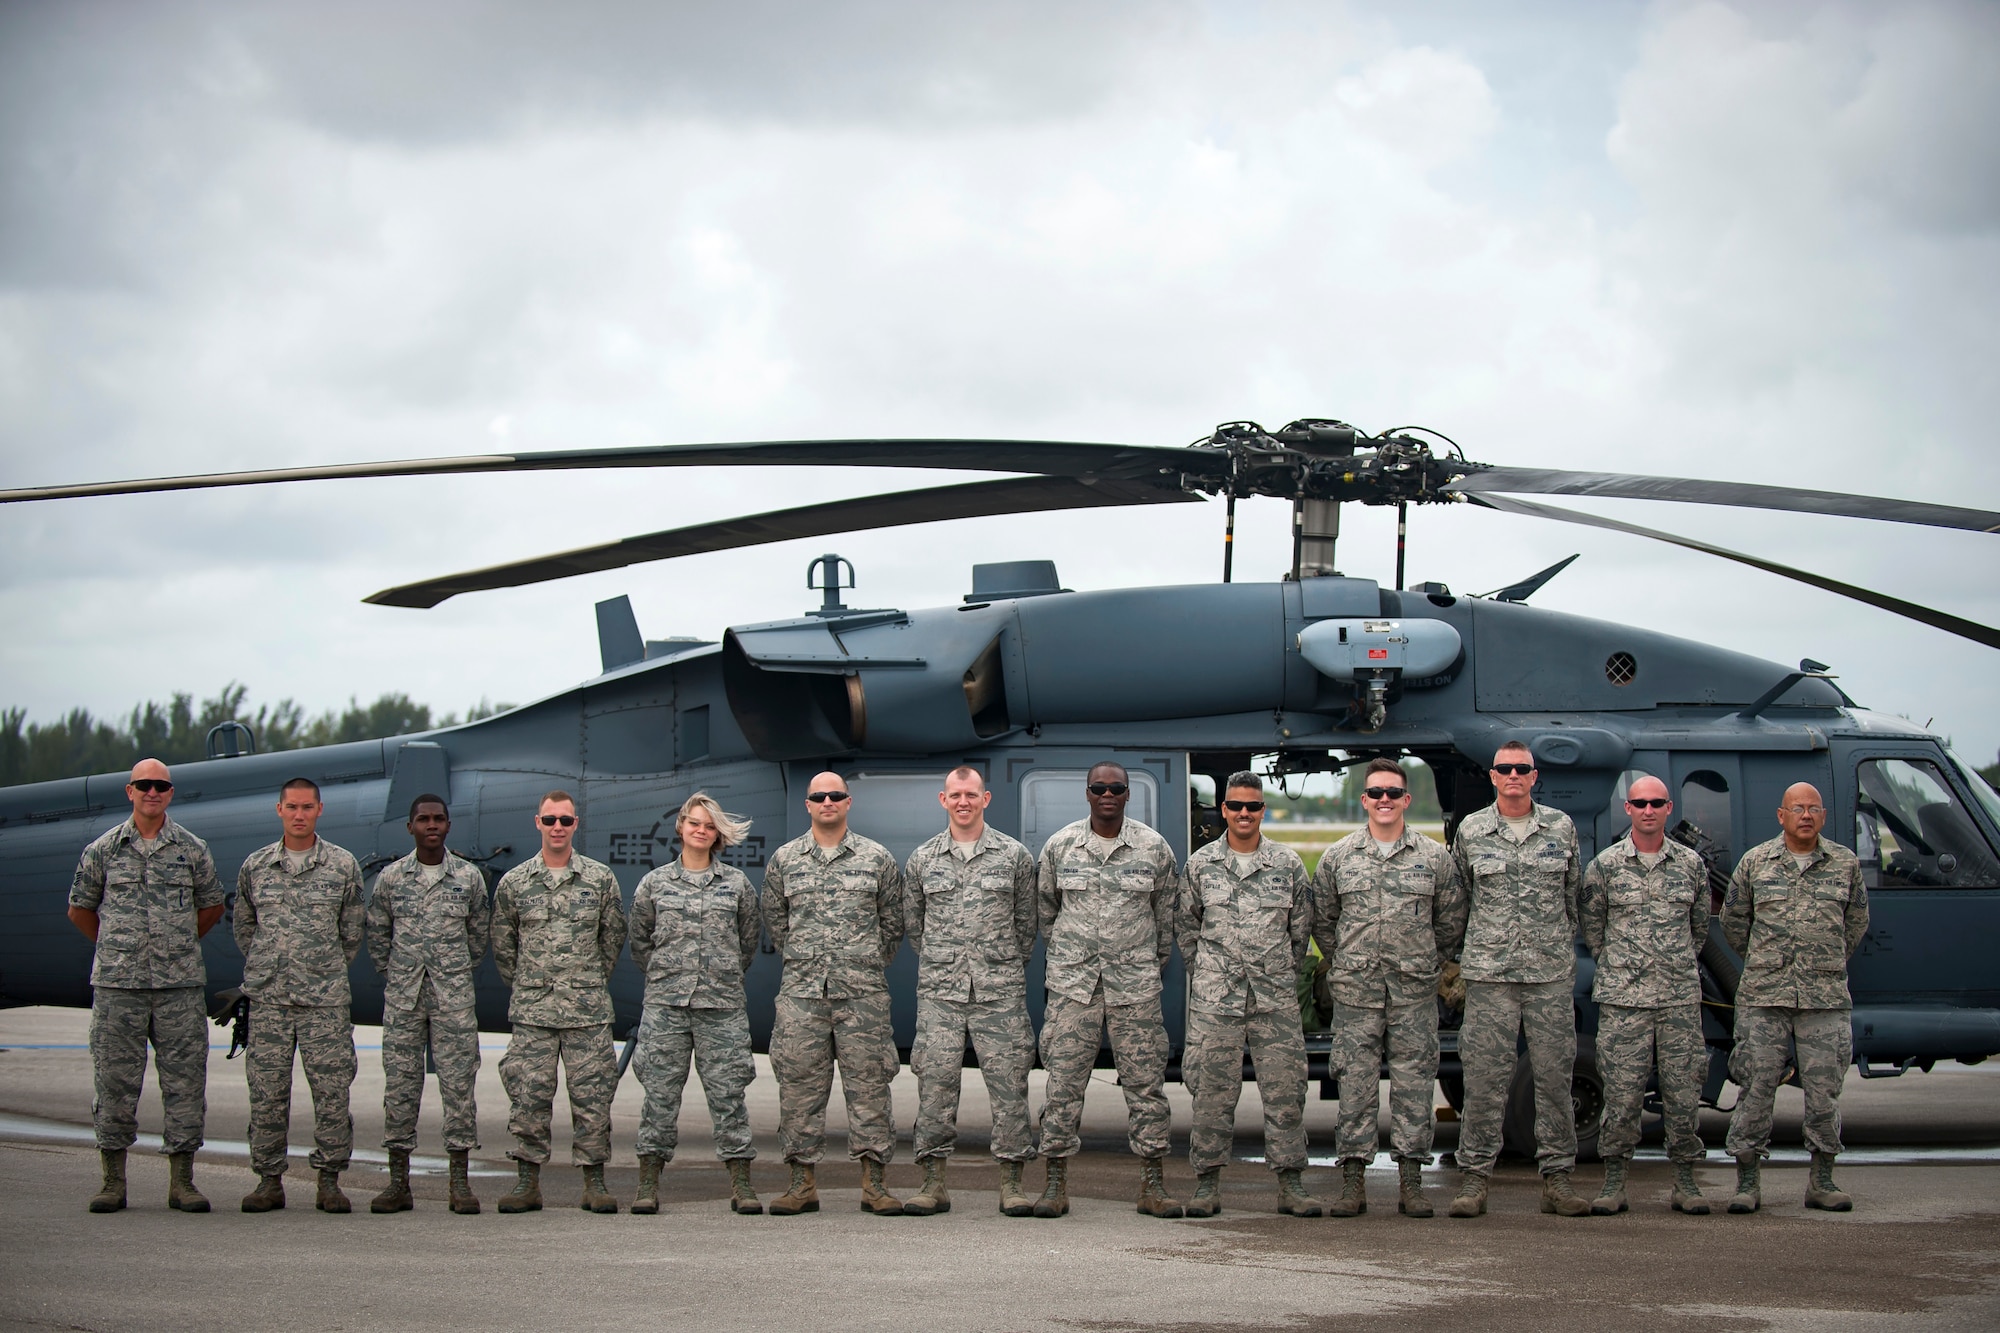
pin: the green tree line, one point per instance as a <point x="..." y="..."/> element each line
<point x="176" y="731"/>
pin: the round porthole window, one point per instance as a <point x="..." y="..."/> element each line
<point x="1620" y="668"/>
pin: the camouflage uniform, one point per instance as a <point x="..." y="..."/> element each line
<point x="972" y="923"/>
<point x="1243" y="937"/>
<point x="1519" y="966"/>
<point x="1109" y="923"/>
<point x="836" y="914"/>
<point x="1645" y="927"/>
<point x="694" y="935"/>
<point x="147" y="979"/>
<point x="426" y="936"/>
<point x="556" y="936"/>
<point x="1796" y="930"/>
<point x="1385" y="926"/>
<point x="298" y="932"/>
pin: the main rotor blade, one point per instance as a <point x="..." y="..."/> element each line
<point x="1687" y="490"/>
<point x="1046" y="457"/>
<point x="976" y="499"/>
<point x="1950" y="624"/>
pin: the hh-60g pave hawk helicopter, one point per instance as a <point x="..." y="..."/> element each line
<point x="1032" y="683"/>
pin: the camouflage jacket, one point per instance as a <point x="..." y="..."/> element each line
<point x="1522" y="926"/>
<point x="1645" y="927"/>
<point x="556" y="942"/>
<point x="972" y="922"/>
<point x="1243" y="937"/>
<point x="146" y="906"/>
<point x="1795" y="928"/>
<point x="694" y="934"/>
<point x="298" y="932"/>
<point x="1108" y="922"/>
<point x="1386" y="924"/>
<point x="836" y="918"/>
<point x="418" y="930"/>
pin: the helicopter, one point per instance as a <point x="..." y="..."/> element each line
<point x="1032" y="683"/>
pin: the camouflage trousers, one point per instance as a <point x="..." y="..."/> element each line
<point x="528" y="1072"/>
<point x="121" y="1023"/>
<point x="1212" y="1068"/>
<point x="1364" y="1036"/>
<point x="322" y="1037"/>
<point x="1497" y="1013"/>
<point x="1630" y="1042"/>
<point x="1071" y="1033"/>
<point x="1766" y="1037"/>
<point x="452" y="1038"/>
<point x="717" y="1042"/>
<point x="1004" y="1041"/>
<point x="811" y="1033"/>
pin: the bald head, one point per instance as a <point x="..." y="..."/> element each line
<point x="1647" y="806"/>
<point x="1802" y="815"/>
<point x="150" y="788"/>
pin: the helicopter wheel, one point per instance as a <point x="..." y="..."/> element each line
<point x="1586" y="1092"/>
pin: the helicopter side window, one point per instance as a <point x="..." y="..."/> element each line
<point x="1911" y="831"/>
<point x="1703" y="808"/>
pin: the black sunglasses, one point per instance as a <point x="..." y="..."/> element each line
<point x="151" y="784"/>
<point x="820" y="797"/>
<point x="1514" y="770"/>
<point x="1108" y="789"/>
<point x="553" y="820"/>
<point x="1649" y="803"/>
<point x="1385" y="793"/>
<point x="1236" y="806"/>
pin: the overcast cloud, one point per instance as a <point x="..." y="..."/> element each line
<point x="1755" y="242"/>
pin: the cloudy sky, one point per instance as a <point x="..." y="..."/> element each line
<point x="1749" y="241"/>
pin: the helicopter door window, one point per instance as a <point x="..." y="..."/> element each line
<point x="1053" y="798"/>
<point x="1911" y="830"/>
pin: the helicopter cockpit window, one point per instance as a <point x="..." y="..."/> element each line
<point x="1911" y="831"/>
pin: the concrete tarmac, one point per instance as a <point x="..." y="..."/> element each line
<point x="1922" y="1248"/>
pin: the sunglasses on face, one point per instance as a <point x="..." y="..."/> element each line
<point x="1108" y="789"/>
<point x="820" y="797"/>
<point x="1513" y="770"/>
<point x="150" y="785"/>
<point x="550" y="821"/>
<point x="1237" y="807"/>
<point x="1385" y="793"/>
<point x="1650" y="803"/>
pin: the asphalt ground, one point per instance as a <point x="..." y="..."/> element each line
<point x="1921" y="1250"/>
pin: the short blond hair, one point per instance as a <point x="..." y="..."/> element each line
<point x="729" y="829"/>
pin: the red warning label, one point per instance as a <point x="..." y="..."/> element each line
<point x="1378" y="654"/>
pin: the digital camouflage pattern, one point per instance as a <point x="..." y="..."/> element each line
<point x="694" y="935"/>
<point x="298" y="932"/>
<point x="1630" y="1039"/>
<point x="1645" y="927"/>
<point x="1496" y="1014"/>
<point x="809" y="1034"/>
<point x="322" y="1038"/>
<point x="451" y="1035"/>
<point x="590" y="1071"/>
<point x="1405" y="1034"/>
<point x="433" y="933"/>
<point x="1766" y="1037"/>
<point x="972" y="922"/>
<point x="1072" y="1031"/>
<point x="1522" y="924"/>
<point x="121" y="1023"/>
<point x="1109" y="921"/>
<point x="1795" y="928"/>
<point x="146" y="905"/>
<point x="1213" y="1070"/>
<point x="556" y="937"/>
<point x="717" y="1042"/>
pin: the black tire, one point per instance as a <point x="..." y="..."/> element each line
<point x="1517" y="1134"/>
<point x="1453" y="1088"/>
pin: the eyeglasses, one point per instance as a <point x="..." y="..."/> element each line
<point x="1385" y="793"/>
<point x="150" y="785"/>
<point x="1108" y="789"/>
<point x="820" y="797"/>
<point x="1650" y="803"/>
<point x="1803" y="811"/>
<point x="1513" y="770"/>
<point x="550" y="821"/>
<point x="1237" y="807"/>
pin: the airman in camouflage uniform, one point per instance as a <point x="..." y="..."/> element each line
<point x="1520" y="865"/>
<point x="969" y="901"/>
<point x="145" y="893"/>
<point x="694" y="934"/>
<point x="1243" y="920"/>
<point x="1390" y="908"/>
<point x="558" y="928"/>
<point x="1645" y="915"/>
<point x="298" y="921"/>
<point x="1105" y="890"/>
<point x="1796" y="911"/>
<point x="833" y="902"/>
<point x="428" y="925"/>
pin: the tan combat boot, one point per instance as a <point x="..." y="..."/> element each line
<point x="1154" y="1201"/>
<point x="802" y="1197"/>
<point x="742" y="1198"/>
<point x="875" y="1196"/>
<point x="1687" y="1194"/>
<point x="395" y="1196"/>
<point x="463" y="1200"/>
<point x="596" y="1198"/>
<point x="1821" y="1192"/>
<point x="1207" y="1200"/>
<point x="647" y="1201"/>
<point x="111" y="1197"/>
<point x="1410" y="1200"/>
<point x="933" y="1197"/>
<point x="1610" y="1200"/>
<point x="1558" y="1197"/>
<point x="1353" y="1200"/>
<point x="268" y="1197"/>
<point x="1055" y="1194"/>
<point x="1293" y="1201"/>
<point x="181" y="1192"/>
<point x="328" y="1198"/>
<point x="1749" y="1195"/>
<point x="1014" y="1201"/>
<point x="1471" y="1200"/>
<point x="526" y="1196"/>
